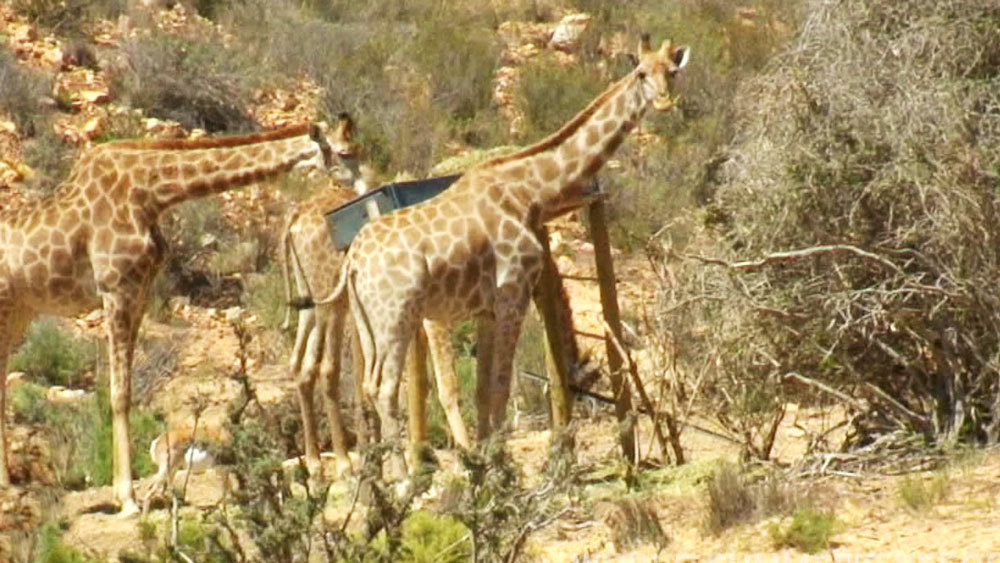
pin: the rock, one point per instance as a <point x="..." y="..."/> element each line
<point x="95" y="96"/>
<point x="61" y="395"/>
<point x="94" y="127"/>
<point x="566" y="35"/>
<point x="233" y="314"/>
<point x="16" y="378"/>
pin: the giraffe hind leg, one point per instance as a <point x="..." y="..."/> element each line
<point x="330" y="373"/>
<point x="443" y="360"/>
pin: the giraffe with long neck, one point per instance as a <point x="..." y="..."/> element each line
<point x="95" y="242"/>
<point x="472" y="251"/>
<point x="312" y="264"/>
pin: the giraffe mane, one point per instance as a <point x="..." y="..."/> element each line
<point x="215" y="142"/>
<point x="565" y="131"/>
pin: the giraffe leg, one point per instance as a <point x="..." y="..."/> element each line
<point x="357" y="373"/>
<point x="484" y="370"/>
<point x="305" y="366"/>
<point x="508" y="319"/>
<point x="4" y="472"/>
<point x="330" y="373"/>
<point x="443" y="359"/>
<point x="388" y="373"/>
<point x="121" y="326"/>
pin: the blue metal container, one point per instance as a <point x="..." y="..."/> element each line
<point x="345" y="221"/>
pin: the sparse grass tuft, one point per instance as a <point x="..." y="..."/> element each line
<point x="731" y="499"/>
<point x="921" y="494"/>
<point x="51" y="549"/>
<point x="632" y="521"/>
<point x="809" y="531"/>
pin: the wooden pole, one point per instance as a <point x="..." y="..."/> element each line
<point x="609" y="303"/>
<point x="547" y="301"/>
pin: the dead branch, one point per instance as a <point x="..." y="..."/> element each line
<point x="792" y="255"/>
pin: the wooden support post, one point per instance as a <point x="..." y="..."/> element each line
<point x="416" y="392"/>
<point x="547" y="301"/>
<point x="609" y="304"/>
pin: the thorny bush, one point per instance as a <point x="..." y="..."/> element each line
<point x="873" y="146"/>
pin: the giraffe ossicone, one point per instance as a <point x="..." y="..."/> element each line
<point x="472" y="251"/>
<point x="95" y="242"/>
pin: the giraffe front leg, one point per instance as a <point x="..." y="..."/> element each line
<point x="509" y="318"/>
<point x="121" y="327"/>
<point x="4" y="472"/>
<point x="484" y="374"/>
<point x="443" y="360"/>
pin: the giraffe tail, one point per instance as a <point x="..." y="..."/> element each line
<point x="286" y="251"/>
<point x="338" y="291"/>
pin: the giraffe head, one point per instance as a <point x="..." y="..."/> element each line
<point x="340" y="153"/>
<point x="656" y="70"/>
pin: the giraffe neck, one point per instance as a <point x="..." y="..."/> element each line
<point x="166" y="173"/>
<point x="559" y="168"/>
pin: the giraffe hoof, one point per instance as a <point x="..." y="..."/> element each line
<point x="129" y="509"/>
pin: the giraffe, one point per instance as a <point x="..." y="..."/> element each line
<point x="308" y="256"/>
<point x="95" y="242"/>
<point x="472" y="251"/>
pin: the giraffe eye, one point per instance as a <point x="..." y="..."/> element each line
<point x="642" y="75"/>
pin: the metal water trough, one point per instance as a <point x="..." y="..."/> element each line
<point x="345" y="221"/>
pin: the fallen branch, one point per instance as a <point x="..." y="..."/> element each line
<point x="791" y="255"/>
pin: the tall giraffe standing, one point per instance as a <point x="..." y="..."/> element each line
<point x="309" y="257"/>
<point x="472" y="251"/>
<point x="95" y="242"/>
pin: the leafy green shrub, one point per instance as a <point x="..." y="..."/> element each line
<point x="51" y="355"/>
<point x="96" y="442"/>
<point x="197" y="83"/>
<point x="51" y="549"/>
<point x="430" y="538"/>
<point x="809" y="531"/>
<point x="28" y="403"/>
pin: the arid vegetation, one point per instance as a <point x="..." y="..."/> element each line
<point x="814" y="230"/>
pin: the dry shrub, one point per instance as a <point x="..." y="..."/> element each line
<point x="878" y="129"/>
<point x="199" y="83"/>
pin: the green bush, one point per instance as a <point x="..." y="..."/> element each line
<point x="51" y="549"/>
<point x="809" y="531"/>
<point x="52" y="356"/>
<point x="28" y="403"/>
<point x="432" y="538"/>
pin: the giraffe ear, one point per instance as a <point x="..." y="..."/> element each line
<point x="345" y="123"/>
<point x="644" y="46"/>
<point x="317" y="131"/>
<point x="680" y="57"/>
